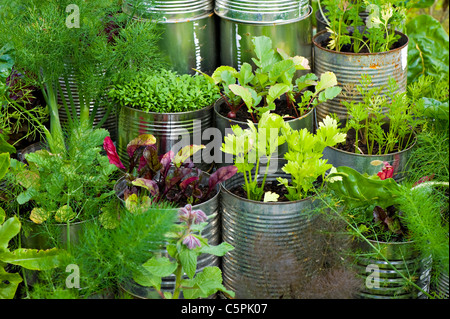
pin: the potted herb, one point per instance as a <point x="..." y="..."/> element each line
<point x="174" y="272"/>
<point x="66" y="189"/>
<point x="351" y="47"/>
<point x="22" y="116"/>
<point x="272" y="86"/>
<point x="379" y="129"/>
<point x="82" y="48"/>
<point x="271" y="199"/>
<point x="171" y="178"/>
<point x="31" y="259"/>
<point x="167" y="105"/>
<point x="373" y="207"/>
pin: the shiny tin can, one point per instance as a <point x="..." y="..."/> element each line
<point x="383" y="279"/>
<point x="294" y="36"/>
<point x="258" y="11"/>
<point x="70" y="91"/>
<point x="268" y="239"/>
<point x="171" y="130"/>
<point x="189" y="32"/>
<point x="348" y="68"/>
<point x="362" y="162"/>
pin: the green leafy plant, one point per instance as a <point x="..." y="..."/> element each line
<point x="304" y="157"/>
<point x="165" y="91"/>
<point x="251" y="146"/>
<point x="382" y="124"/>
<point x="32" y="259"/>
<point x="255" y="146"/>
<point x="370" y="203"/>
<point x="348" y="31"/>
<point x="184" y="245"/>
<point x="273" y="78"/>
<point x="428" y="50"/>
<point x="70" y="186"/>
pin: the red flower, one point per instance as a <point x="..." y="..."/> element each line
<point x="111" y="152"/>
<point x="386" y="172"/>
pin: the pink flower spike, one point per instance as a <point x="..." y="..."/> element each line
<point x="111" y="152"/>
<point x="199" y="216"/>
<point x="185" y="212"/>
<point x="191" y="242"/>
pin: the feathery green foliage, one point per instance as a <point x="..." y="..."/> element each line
<point x="426" y="210"/>
<point x="107" y="44"/>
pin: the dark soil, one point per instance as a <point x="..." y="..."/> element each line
<point x="282" y="109"/>
<point x="349" y="145"/>
<point x="178" y="202"/>
<point x="347" y="48"/>
<point x="270" y="186"/>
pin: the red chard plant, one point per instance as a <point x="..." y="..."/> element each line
<point x="170" y="176"/>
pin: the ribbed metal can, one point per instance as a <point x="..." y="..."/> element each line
<point x="223" y="124"/>
<point x="383" y="279"/>
<point x="269" y="241"/>
<point x="70" y="91"/>
<point x="169" y="10"/>
<point x="442" y="285"/>
<point x="348" y="68"/>
<point x="362" y="162"/>
<point x="189" y="32"/>
<point x="258" y="11"/>
<point x="212" y="232"/>
<point x="171" y="130"/>
<point x="294" y="36"/>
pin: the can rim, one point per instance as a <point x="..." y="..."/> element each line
<point x="273" y="22"/>
<point x="317" y="45"/>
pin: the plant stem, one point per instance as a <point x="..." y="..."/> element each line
<point x="178" y="275"/>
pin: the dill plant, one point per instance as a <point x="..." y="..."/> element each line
<point x="48" y="49"/>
